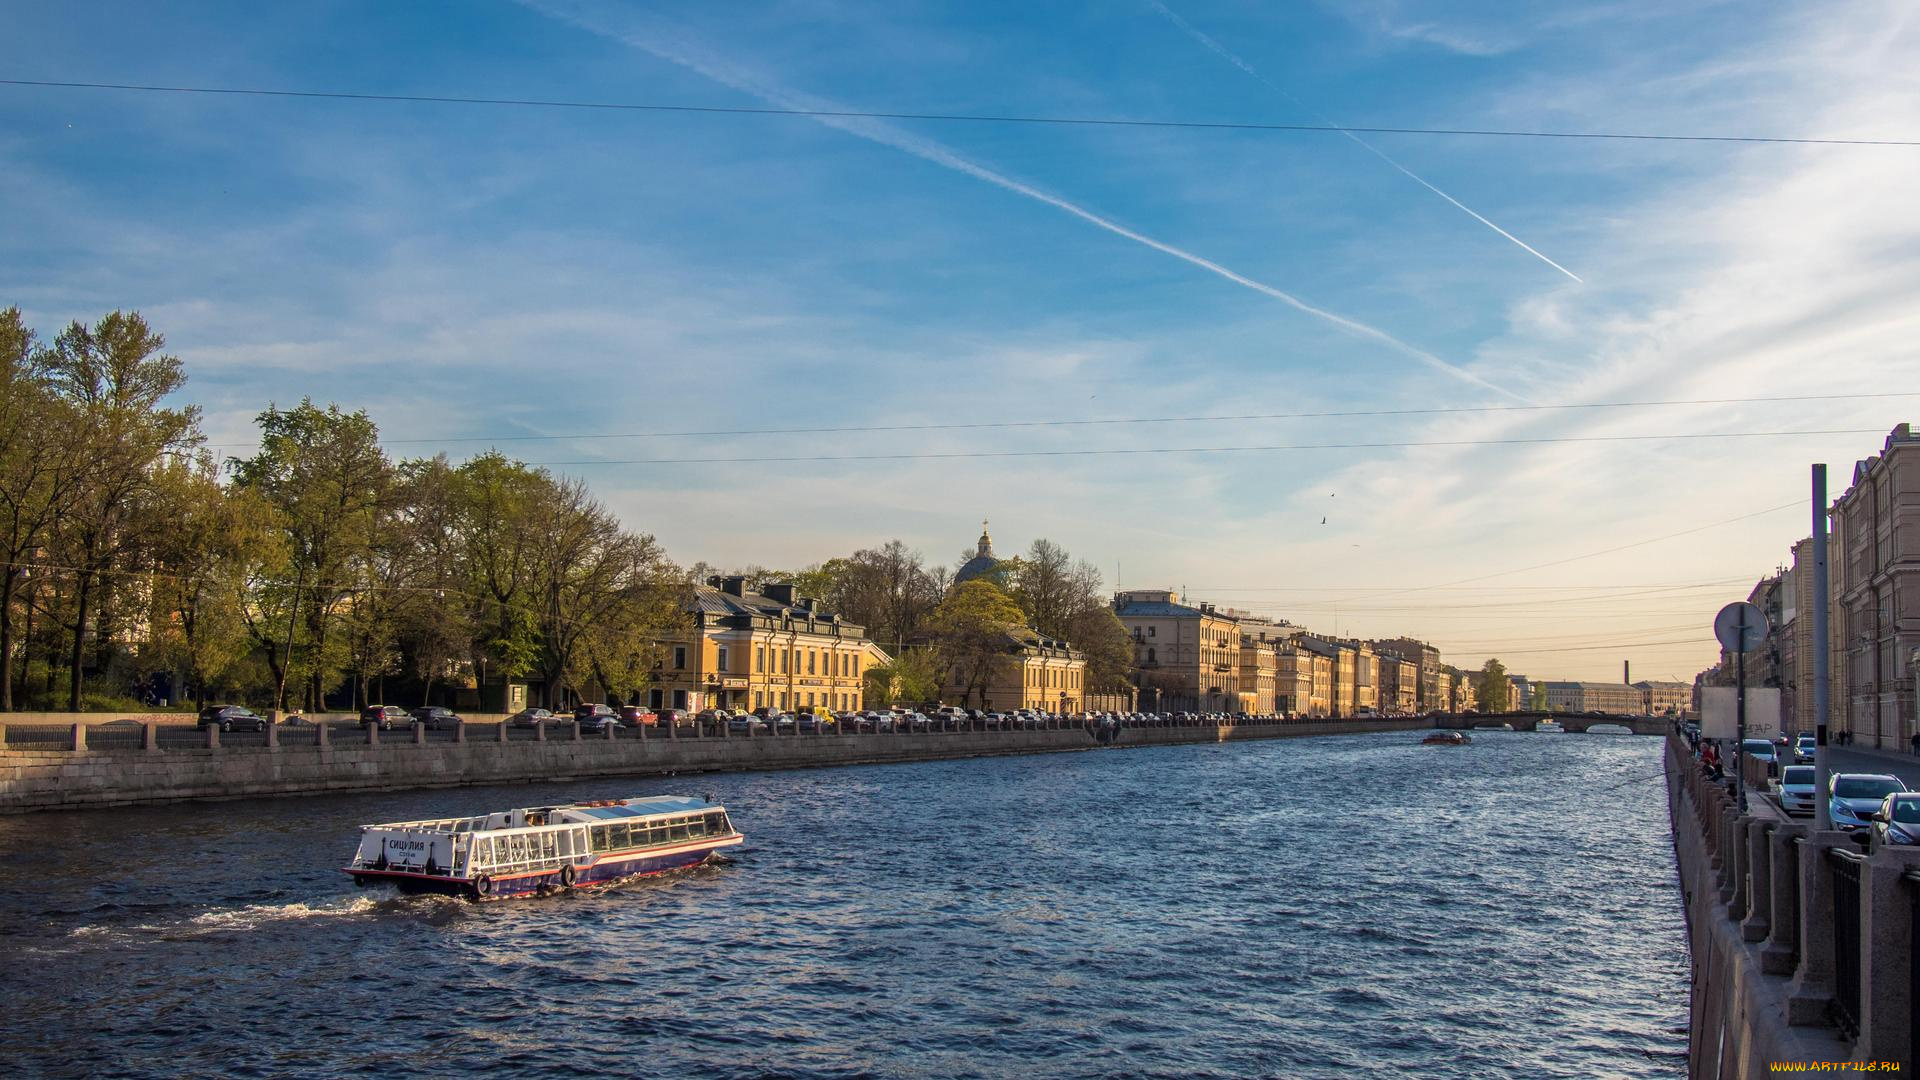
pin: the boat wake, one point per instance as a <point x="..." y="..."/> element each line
<point x="255" y="916"/>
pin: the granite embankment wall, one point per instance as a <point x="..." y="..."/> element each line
<point x="1802" y="944"/>
<point x="34" y="779"/>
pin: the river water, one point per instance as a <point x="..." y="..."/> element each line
<point x="1295" y="908"/>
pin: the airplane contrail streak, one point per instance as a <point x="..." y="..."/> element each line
<point x="1233" y="58"/>
<point x="689" y="57"/>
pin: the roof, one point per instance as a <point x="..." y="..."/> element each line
<point x="708" y="600"/>
<point x="634" y="808"/>
<point x="1157" y="608"/>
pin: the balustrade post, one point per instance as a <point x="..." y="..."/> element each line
<point x="320" y="734"/>
<point x="1783" y="876"/>
<point x="540" y="731"/>
<point x="609" y="729"/>
<point x="419" y="733"/>
<point x="273" y="733"/>
<point x="1887" y="920"/>
<point x="1759" y="888"/>
<point x="576" y="732"/>
<point x="504" y="733"/>
<point x="373" y="734"/>
<point x="3" y="735"/>
<point x="460" y="732"/>
<point x="78" y="739"/>
<point x="1812" y="987"/>
<point x="213" y="736"/>
<point x="150" y="736"/>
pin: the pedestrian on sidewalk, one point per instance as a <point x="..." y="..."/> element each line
<point x="1916" y="743"/>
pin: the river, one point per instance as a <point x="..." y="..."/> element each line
<point x="1294" y="908"/>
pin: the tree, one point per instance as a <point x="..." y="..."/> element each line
<point x="114" y="378"/>
<point x="324" y="473"/>
<point x="911" y="676"/>
<point x="1493" y="687"/>
<point x="39" y="466"/>
<point x="972" y="633"/>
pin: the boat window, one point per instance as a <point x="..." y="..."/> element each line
<point x="716" y="824"/>
<point x="518" y="848"/>
<point x="565" y="841"/>
<point x="549" y="846"/>
<point x="697" y="826"/>
<point x="599" y="838"/>
<point x="620" y="835"/>
<point x="677" y="830"/>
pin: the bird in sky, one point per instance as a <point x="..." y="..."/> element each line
<point x="1323" y="521"/>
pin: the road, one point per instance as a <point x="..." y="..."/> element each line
<point x="1904" y="766"/>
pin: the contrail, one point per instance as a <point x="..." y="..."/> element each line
<point x="689" y="57"/>
<point x="1228" y="55"/>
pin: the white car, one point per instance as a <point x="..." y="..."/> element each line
<point x="1795" y="789"/>
<point x="1803" y="749"/>
<point x="1856" y="797"/>
<point x="1898" y="819"/>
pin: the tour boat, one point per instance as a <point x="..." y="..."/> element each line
<point x="1447" y="738"/>
<point x="1549" y="727"/>
<point x="543" y="849"/>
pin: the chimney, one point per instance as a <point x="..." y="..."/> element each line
<point x="780" y="592"/>
<point x="732" y="584"/>
<point x="1626" y="672"/>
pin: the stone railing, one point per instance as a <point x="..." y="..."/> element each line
<point x="1803" y="941"/>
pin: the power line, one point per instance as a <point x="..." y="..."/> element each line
<point x="976" y="118"/>
<point x="1222" y="418"/>
<point x="948" y="455"/>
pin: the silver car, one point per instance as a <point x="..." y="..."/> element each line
<point x="1857" y="797"/>
<point x="1898" y="819"/>
<point x="1796" y="789"/>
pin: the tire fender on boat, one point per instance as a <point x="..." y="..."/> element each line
<point x="567" y="876"/>
<point x="483" y="885"/>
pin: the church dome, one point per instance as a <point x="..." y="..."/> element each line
<point x="982" y="563"/>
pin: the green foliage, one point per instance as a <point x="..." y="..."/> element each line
<point x="1493" y="689"/>
<point x="912" y="676"/>
<point x="971" y="632"/>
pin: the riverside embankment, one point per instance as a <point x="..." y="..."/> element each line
<point x="1803" y="944"/>
<point x="136" y="765"/>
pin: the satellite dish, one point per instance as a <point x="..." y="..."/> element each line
<point x="1740" y="627"/>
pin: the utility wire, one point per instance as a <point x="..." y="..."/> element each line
<point x="977" y="118"/>
<point x="1221" y="418"/>
<point x="948" y="455"/>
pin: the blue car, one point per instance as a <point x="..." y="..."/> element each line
<point x="1898" y="819"/>
<point x="1856" y="797"/>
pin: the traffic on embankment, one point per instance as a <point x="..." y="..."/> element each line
<point x="147" y="762"/>
<point x="1803" y="940"/>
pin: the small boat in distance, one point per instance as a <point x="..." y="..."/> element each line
<point x="543" y="849"/>
<point x="1447" y="738"/>
<point x="1495" y="727"/>
<point x="1549" y="727"/>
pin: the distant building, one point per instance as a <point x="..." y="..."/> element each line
<point x="1665" y="698"/>
<point x="1036" y="673"/>
<point x="1187" y="656"/>
<point x="1399" y="684"/>
<point x="1619" y="698"/>
<point x="1303" y="685"/>
<point x="1428" y="658"/>
<point x="983" y="563"/>
<point x="1877" y="526"/>
<point x="744" y="650"/>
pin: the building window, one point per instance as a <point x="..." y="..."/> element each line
<point x="679" y="699"/>
<point x="757" y="702"/>
<point x="760" y="658"/>
<point x="1152" y="631"/>
<point x="679" y="658"/>
<point x="723" y="658"/>
<point x="810" y="670"/>
<point x="1151" y="658"/>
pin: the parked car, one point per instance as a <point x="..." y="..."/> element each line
<point x="385" y="717"/>
<point x="1795" y="788"/>
<point x="677" y="718"/>
<point x="820" y="721"/>
<point x="593" y="717"/>
<point x="1857" y="796"/>
<point x="231" y="718"/>
<point x="1764" y="751"/>
<point x="1897" y="821"/>
<point x="712" y="718"/>
<point x="530" y="718"/>
<point x="1803" y="748"/>
<point x="746" y="724"/>
<point x="638" y="716"/>
<point x="437" y="717"/>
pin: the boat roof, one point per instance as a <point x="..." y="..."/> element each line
<point x="633" y="808"/>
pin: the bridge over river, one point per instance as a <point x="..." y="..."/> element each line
<point x="1573" y="722"/>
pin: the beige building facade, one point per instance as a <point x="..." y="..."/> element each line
<point x="1187" y="656"/>
<point x="1878" y="523"/>
<point x="772" y="648"/>
<point x="1038" y="673"/>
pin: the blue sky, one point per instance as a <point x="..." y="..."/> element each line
<point x="473" y="273"/>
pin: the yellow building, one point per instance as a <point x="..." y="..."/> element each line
<point x="1037" y="673"/>
<point x="1188" y="657"/>
<point x="1399" y="685"/>
<point x="745" y="650"/>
